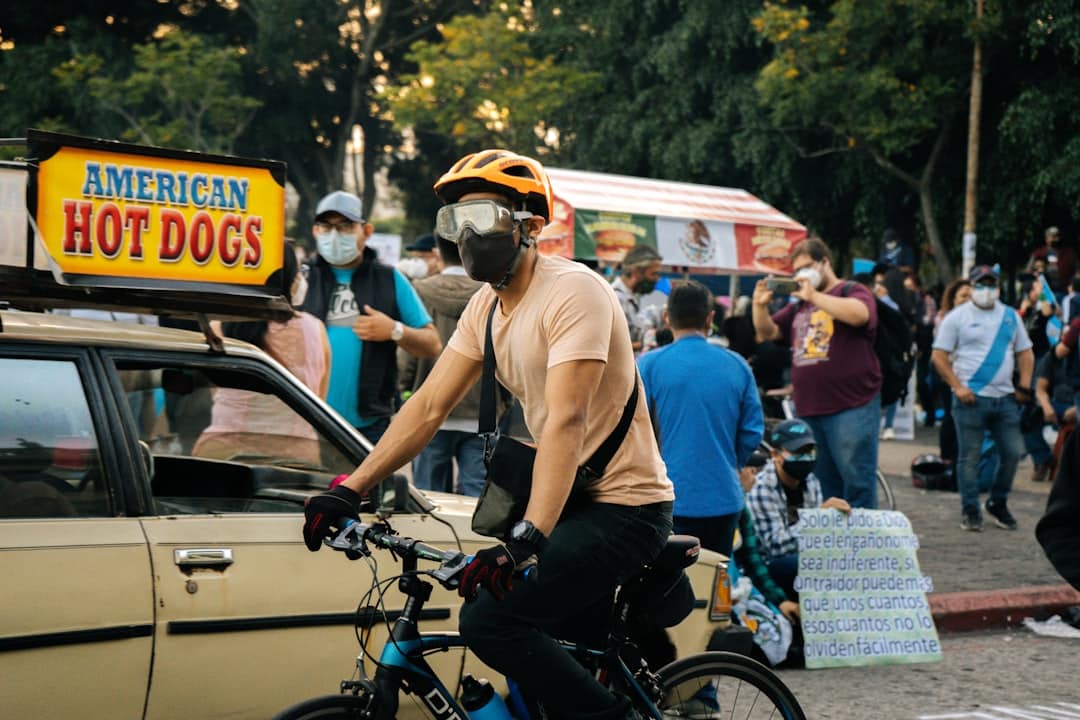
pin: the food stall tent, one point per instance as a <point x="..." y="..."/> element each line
<point x="697" y="229"/>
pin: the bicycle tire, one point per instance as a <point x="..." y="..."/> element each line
<point x="885" y="490"/>
<point x="721" y="666"/>
<point x="327" y="707"/>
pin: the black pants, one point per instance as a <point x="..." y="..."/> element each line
<point x="592" y="550"/>
<point x="716" y="533"/>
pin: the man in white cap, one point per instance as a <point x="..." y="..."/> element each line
<point x="370" y="309"/>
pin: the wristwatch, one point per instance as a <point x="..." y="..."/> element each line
<point x="525" y="531"/>
<point x="398" y="332"/>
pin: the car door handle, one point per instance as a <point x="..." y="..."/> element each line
<point x="203" y="557"/>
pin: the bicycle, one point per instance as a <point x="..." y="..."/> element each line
<point x="886" y="499"/>
<point x="699" y="687"/>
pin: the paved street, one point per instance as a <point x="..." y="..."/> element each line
<point x="958" y="560"/>
<point x="1003" y="675"/>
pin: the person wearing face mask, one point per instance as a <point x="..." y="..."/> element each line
<point x="561" y="346"/>
<point x="635" y="287"/>
<point x="784" y="486"/>
<point x="369" y="310"/>
<point x="896" y="252"/>
<point x="987" y="342"/>
<point x="243" y="421"/>
<point x="834" y="370"/>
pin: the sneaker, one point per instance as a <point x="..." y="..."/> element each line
<point x="888" y="434"/>
<point x="1039" y="472"/>
<point x="1000" y="512"/>
<point x="971" y="520"/>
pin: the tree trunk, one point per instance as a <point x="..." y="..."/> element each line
<point x="373" y="142"/>
<point x="922" y="186"/>
<point x="941" y="258"/>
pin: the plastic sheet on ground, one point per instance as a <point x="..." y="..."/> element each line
<point x="1053" y="627"/>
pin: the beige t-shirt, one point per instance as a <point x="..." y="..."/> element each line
<point x="570" y="313"/>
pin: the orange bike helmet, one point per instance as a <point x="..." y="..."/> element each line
<point x="520" y="177"/>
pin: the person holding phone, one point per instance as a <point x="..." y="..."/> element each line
<point x="834" y="371"/>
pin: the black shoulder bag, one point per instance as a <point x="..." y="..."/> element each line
<point x="509" y="463"/>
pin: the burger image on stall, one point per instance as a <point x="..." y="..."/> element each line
<point x="772" y="250"/>
<point x="773" y="257"/>
<point x="613" y="243"/>
<point x="556" y="239"/>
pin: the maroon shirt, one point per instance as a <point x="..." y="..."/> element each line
<point x="833" y="365"/>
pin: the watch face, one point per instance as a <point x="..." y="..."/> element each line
<point x="518" y="531"/>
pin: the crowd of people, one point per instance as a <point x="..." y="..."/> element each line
<point x="982" y="369"/>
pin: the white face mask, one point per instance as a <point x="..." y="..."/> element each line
<point x="299" y="289"/>
<point x="336" y="248"/>
<point x="812" y="274"/>
<point x="984" y="296"/>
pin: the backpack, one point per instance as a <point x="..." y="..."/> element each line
<point x="893" y="347"/>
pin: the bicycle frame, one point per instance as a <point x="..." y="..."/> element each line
<point x="402" y="663"/>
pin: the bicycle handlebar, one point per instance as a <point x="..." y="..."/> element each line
<point x="355" y="536"/>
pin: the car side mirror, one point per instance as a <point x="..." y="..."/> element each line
<point x="393" y="495"/>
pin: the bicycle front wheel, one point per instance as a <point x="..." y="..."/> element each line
<point x="328" y="707"/>
<point x="715" y="685"/>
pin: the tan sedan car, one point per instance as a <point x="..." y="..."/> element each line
<point x="153" y="569"/>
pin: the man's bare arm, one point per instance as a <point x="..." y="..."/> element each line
<point x="940" y="360"/>
<point x="848" y="310"/>
<point x="421" y="342"/>
<point x="568" y="393"/>
<point x="419" y="419"/>
<point x="1025" y="366"/>
<point x="764" y="327"/>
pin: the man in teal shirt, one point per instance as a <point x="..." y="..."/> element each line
<point x="369" y="309"/>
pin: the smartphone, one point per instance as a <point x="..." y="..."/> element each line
<point x="782" y="285"/>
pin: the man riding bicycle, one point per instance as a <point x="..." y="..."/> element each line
<point x="562" y="347"/>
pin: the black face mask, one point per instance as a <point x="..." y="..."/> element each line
<point x="644" y="286"/>
<point x="799" y="469"/>
<point x="490" y="258"/>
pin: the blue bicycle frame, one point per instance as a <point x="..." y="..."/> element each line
<point x="402" y="664"/>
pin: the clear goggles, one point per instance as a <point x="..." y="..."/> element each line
<point x="485" y="217"/>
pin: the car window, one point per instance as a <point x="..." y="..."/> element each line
<point x="223" y="439"/>
<point x="49" y="460"/>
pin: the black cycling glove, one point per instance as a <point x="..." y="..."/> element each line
<point x="494" y="568"/>
<point x="325" y="513"/>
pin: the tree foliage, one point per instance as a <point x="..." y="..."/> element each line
<point x="182" y="92"/>
<point x="481" y="85"/>
<point x="882" y="77"/>
<point x="849" y="115"/>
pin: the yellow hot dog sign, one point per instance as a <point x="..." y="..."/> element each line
<point x="111" y="210"/>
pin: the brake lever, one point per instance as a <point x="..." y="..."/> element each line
<point x="347" y="540"/>
<point x="447" y="573"/>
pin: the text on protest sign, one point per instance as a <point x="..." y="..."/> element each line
<point x="862" y="597"/>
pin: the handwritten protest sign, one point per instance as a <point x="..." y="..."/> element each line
<point x="862" y="598"/>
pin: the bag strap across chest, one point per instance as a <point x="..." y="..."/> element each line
<point x="595" y="465"/>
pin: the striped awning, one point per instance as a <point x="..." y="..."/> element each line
<point x="642" y="196"/>
<point x="696" y="227"/>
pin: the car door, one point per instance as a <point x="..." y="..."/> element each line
<point x="76" y="627"/>
<point x="248" y="621"/>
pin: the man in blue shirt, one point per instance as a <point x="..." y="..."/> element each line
<point x="707" y="417"/>
<point x="369" y="309"/>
